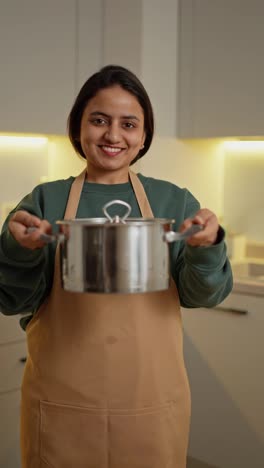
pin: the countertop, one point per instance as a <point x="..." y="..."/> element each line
<point x="248" y="275"/>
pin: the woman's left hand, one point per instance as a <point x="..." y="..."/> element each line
<point x="210" y="224"/>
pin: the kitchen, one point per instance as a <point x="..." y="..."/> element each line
<point x="207" y="96"/>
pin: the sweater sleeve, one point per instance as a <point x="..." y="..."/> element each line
<point x="203" y="275"/>
<point x="25" y="275"/>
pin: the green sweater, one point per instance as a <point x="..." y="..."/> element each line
<point x="202" y="274"/>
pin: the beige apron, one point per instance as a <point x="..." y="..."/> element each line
<point x="105" y="384"/>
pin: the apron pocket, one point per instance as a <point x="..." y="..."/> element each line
<point x="147" y="438"/>
<point x="72" y="436"/>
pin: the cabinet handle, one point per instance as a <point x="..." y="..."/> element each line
<point x="233" y="311"/>
<point x="23" y="360"/>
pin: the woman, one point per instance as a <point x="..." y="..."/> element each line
<point x="105" y="384"/>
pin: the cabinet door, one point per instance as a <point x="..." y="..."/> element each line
<point x="9" y="430"/>
<point x="12" y="361"/>
<point x="90" y="40"/>
<point x="37" y="53"/>
<point x="10" y="329"/>
<point x="224" y="358"/>
<point x="221" y="68"/>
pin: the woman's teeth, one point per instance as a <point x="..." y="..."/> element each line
<point x="109" y="149"/>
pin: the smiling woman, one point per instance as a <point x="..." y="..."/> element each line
<point x="134" y="109"/>
<point x="111" y="134"/>
<point x="105" y="383"/>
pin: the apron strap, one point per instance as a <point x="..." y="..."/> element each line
<point x="75" y="195"/>
<point x="76" y="190"/>
<point x="141" y="196"/>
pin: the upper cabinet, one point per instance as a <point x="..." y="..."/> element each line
<point x="37" y="51"/>
<point x="49" y="49"/>
<point x="142" y="36"/>
<point x="89" y="37"/>
<point x="221" y="68"/>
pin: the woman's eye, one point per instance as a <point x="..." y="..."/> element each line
<point x="99" y="121"/>
<point x="129" y="125"/>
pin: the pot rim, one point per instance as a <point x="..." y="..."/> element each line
<point x="107" y="223"/>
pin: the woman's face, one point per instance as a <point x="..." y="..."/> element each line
<point x="112" y="131"/>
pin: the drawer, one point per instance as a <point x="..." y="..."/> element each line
<point x="9" y="430"/>
<point x="10" y="329"/>
<point x="12" y="365"/>
<point x="243" y="302"/>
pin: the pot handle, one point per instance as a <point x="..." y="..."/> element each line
<point x="172" y="236"/>
<point x="117" y="219"/>
<point x="48" y="239"/>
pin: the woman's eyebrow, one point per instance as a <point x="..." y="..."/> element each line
<point x="128" y="117"/>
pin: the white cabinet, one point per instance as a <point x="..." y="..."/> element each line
<point x="9" y="430"/>
<point x="221" y="69"/>
<point x="12" y="359"/>
<point x="37" y="55"/>
<point x="142" y="36"/>
<point x="10" y="329"/>
<point x="224" y="357"/>
<point x="13" y="352"/>
<point x="48" y="50"/>
<point x="90" y="44"/>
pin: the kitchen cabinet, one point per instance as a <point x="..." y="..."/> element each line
<point x="221" y="71"/>
<point x="142" y="36"/>
<point x="12" y="358"/>
<point x="10" y="330"/>
<point x="13" y="351"/>
<point x="48" y="50"/>
<point x="224" y="359"/>
<point x="38" y="73"/>
<point x="90" y="39"/>
<point x="9" y="429"/>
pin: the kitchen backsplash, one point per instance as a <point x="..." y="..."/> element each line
<point x="24" y="166"/>
<point x="21" y="167"/>
<point x="227" y="181"/>
<point x="226" y="178"/>
<point x="243" y="194"/>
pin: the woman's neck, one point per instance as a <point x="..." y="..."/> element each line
<point x="107" y="177"/>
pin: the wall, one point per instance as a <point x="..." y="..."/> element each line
<point x="26" y="163"/>
<point x="243" y="194"/>
<point x="226" y="177"/>
<point x="62" y="159"/>
<point x="226" y="180"/>
<point x="197" y="166"/>
<point x="22" y="164"/>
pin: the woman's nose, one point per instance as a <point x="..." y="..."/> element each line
<point x="112" y="134"/>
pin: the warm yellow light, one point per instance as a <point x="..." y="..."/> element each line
<point x="241" y="145"/>
<point x="22" y="141"/>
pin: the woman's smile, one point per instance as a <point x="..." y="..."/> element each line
<point x="111" y="150"/>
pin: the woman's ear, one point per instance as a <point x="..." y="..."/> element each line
<point x="143" y="141"/>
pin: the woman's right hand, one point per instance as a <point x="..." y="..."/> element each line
<point x="21" y="221"/>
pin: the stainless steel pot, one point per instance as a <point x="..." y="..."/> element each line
<point x="116" y="255"/>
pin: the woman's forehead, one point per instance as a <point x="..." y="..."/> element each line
<point x="115" y="100"/>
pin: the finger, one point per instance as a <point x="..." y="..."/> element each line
<point x="198" y="220"/>
<point x="45" y="227"/>
<point x="187" y="223"/>
<point x="25" y="218"/>
<point x="19" y="224"/>
<point x="205" y="237"/>
<point x="35" y="235"/>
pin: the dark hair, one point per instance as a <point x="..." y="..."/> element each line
<point x="108" y="76"/>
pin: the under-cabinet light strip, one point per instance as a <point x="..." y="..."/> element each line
<point x="22" y="141"/>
